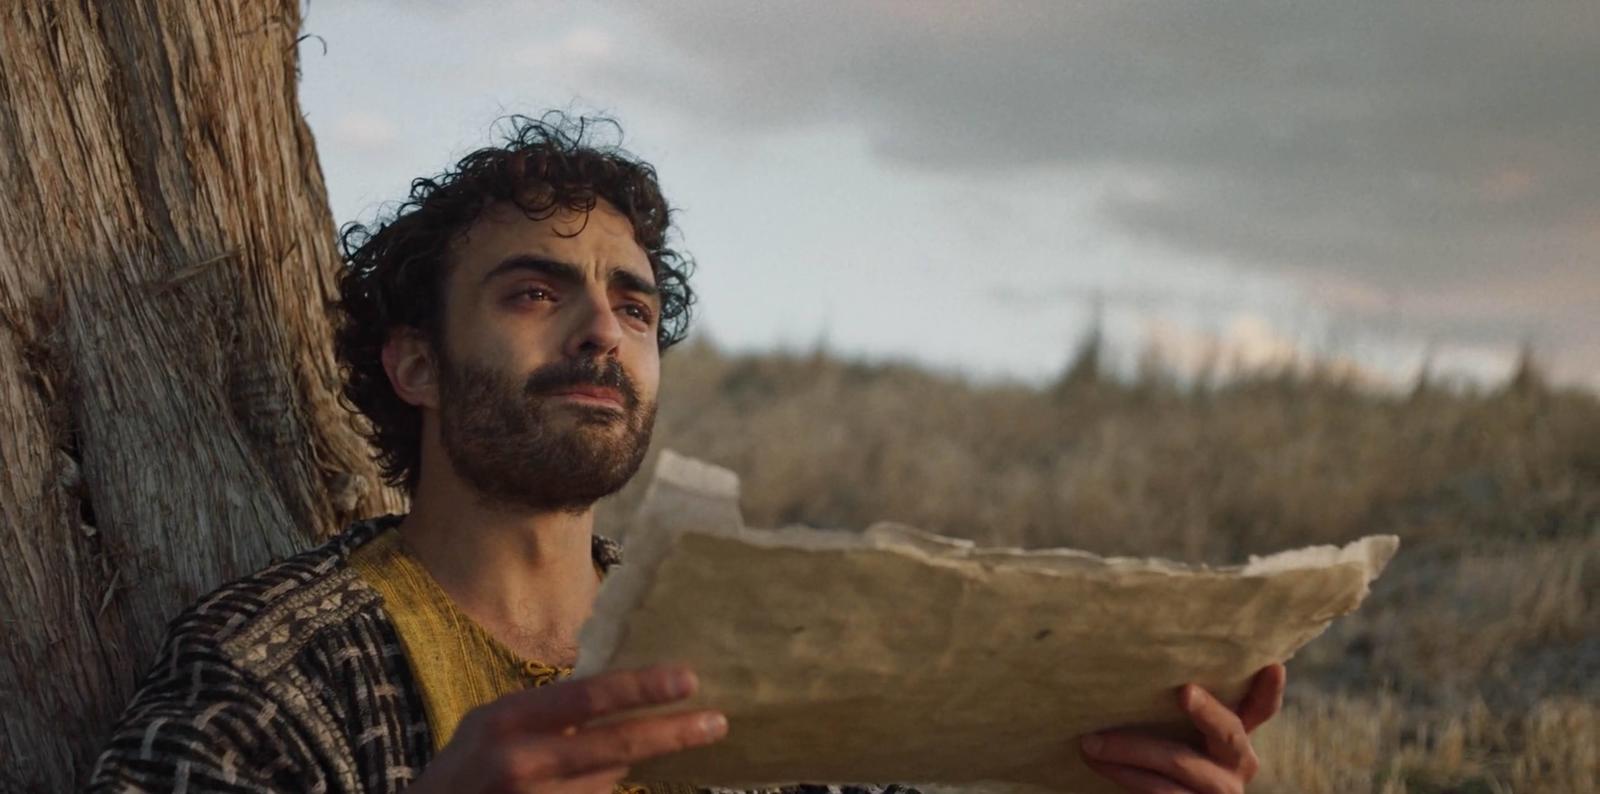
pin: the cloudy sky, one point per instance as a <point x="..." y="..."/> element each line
<point x="969" y="184"/>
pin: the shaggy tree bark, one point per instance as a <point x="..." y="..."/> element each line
<point x="167" y="387"/>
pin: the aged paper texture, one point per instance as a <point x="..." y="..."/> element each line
<point x="900" y="656"/>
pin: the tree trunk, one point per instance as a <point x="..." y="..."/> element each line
<point x="167" y="386"/>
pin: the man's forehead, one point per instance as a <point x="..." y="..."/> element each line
<point x="601" y="237"/>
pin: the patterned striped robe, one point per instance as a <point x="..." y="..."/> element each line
<point x="292" y="679"/>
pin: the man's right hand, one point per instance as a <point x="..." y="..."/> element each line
<point x="541" y="739"/>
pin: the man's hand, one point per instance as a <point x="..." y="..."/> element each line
<point x="542" y="739"/>
<point x="1153" y="765"/>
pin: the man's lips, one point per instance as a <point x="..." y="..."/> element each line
<point x="591" y="394"/>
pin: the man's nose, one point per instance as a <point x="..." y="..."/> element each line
<point x="598" y="332"/>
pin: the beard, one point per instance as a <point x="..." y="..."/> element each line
<point x="514" y="445"/>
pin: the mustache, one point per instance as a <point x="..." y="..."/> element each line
<point x="567" y="374"/>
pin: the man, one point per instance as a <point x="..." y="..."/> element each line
<point x="502" y="334"/>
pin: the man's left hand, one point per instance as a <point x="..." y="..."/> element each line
<point x="1153" y="765"/>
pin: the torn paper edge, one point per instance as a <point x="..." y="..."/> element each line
<point x="688" y="495"/>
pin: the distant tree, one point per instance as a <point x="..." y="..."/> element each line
<point x="1085" y="368"/>
<point x="1425" y="383"/>
<point x="168" y="410"/>
<point x="1528" y="377"/>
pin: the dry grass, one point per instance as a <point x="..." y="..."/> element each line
<point x="1475" y="666"/>
<point x="1338" y="744"/>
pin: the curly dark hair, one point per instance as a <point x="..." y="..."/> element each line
<point x="395" y="270"/>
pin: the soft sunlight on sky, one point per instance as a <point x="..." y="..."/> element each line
<point x="963" y="184"/>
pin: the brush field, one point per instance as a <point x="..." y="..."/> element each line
<point x="1473" y="667"/>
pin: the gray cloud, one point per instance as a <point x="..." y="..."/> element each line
<point x="1424" y="149"/>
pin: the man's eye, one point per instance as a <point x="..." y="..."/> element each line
<point x="638" y="312"/>
<point x="535" y="293"/>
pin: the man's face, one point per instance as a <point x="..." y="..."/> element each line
<point x="548" y="379"/>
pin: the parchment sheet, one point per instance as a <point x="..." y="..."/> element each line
<point x="896" y="655"/>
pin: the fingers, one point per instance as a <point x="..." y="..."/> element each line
<point x="1265" y="697"/>
<point x="1146" y="763"/>
<point x="1137" y="780"/>
<point x="559" y="706"/>
<point x="1226" y="739"/>
<point x="622" y="744"/>
<point x="546" y="738"/>
<point x="1176" y="763"/>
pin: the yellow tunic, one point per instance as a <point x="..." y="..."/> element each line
<point x="458" y="665"/>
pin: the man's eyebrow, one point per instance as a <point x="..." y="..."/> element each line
<point x="633" y="282"/>
<point x="569" y="273"/>
<point x="560" y="271"/>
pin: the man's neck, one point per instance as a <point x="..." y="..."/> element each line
<point x="527" y="577"/>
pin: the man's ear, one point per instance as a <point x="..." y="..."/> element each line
<point x="408" y="358"/>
